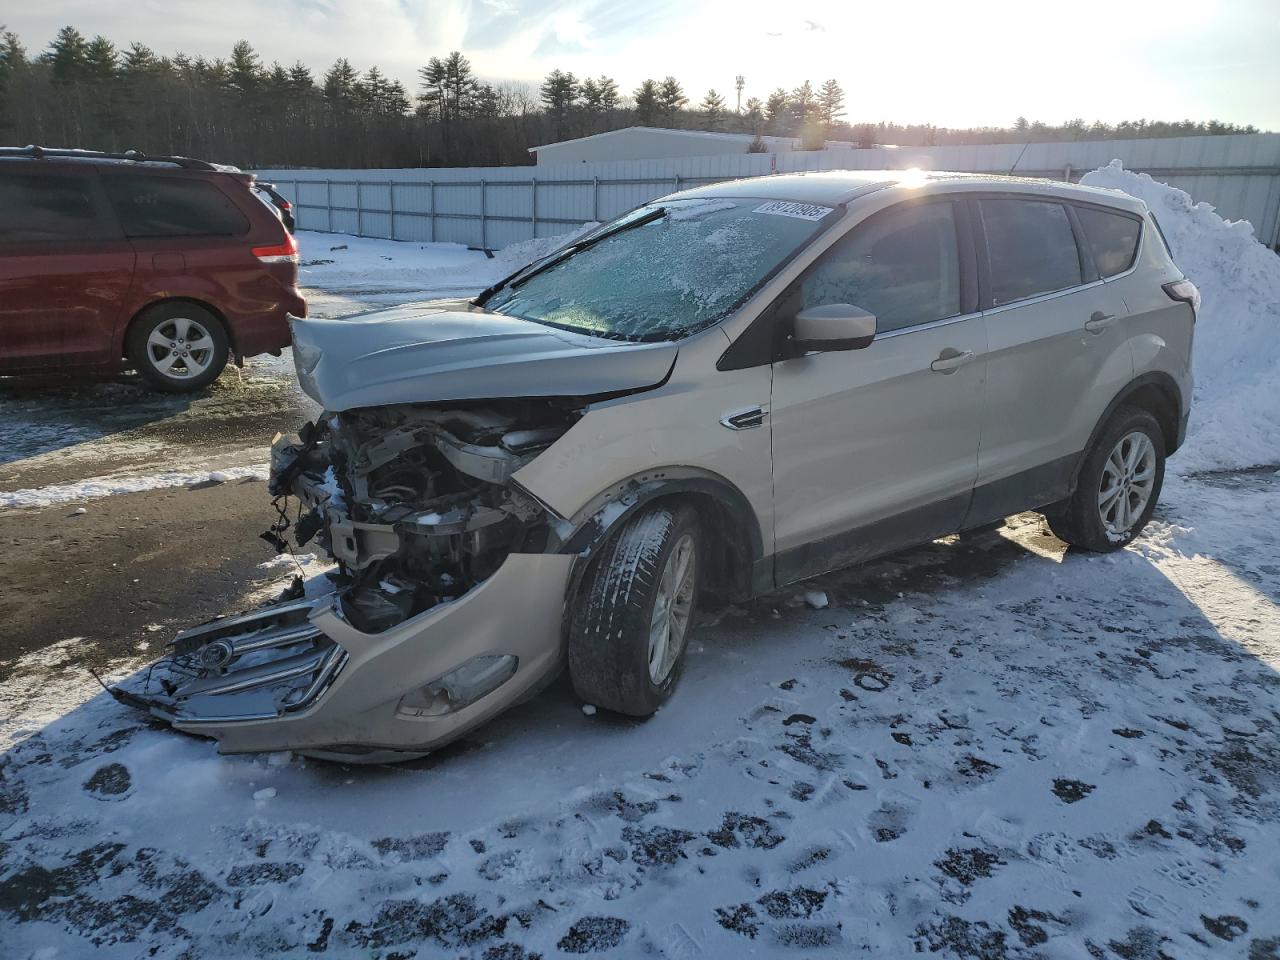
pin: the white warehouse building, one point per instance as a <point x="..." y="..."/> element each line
<point x="661" y="143"/>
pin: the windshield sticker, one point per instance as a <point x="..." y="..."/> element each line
<point x="801" y="211"/>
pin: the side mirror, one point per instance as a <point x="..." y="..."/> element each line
<point x="834" y="326"/>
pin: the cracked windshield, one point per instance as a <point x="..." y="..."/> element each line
<point x="664" y="272"/>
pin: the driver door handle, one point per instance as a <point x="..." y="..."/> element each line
<point x="1100" y="321"/>
<point x="951" y="360"/>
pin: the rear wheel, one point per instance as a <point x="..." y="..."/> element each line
<point x="634" y="612"/>
<point x="1118" y="487"/>
<point x="178" y="347"/>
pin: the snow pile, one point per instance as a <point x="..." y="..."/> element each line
<point x="340" y="257"/>
<point x="95" y="487"/>
<point x="516" y="255"/>
<point x="1235" y="420"/>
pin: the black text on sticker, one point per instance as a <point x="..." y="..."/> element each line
<point x="801" y="211"/>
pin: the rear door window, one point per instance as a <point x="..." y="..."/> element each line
<point x="45" y="207"/>
<point x="153" y="206"/>
<point x="1112" y="238"/>
<point x="1031" y="248"/>
<point x="902" y="265"/>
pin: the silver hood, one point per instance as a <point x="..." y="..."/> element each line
<point x="452" y="350"/>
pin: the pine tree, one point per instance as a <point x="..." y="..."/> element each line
<point x="486" y="103"/>
<point x="589" y="94"/>
<point x="371" y="91"/>
<point x="13" y="59"/>
<point x="101" y="60"/>
<point x="339" y="84"/>
<point x="300" y="78"/>
<point x="245" y="73"/>
<point x="433" y="79"/>
<point x="140" y="60"/>
<point x="712" y="108"/>
<point x="754" y="116"/>
<point x="646" y="98"/>
<point x="802" y="102"/>
<point x="13" y="55"/>
<point x="830" y="103"/>
<point x="776" y="110"/>
<point x="559" y="93"/>
<point x="671" y="99"/>
<point x="68" y="56"/>
<point x="461" y="83"/>
<point x="608" y="94"/>
<point x="396" y="100"/>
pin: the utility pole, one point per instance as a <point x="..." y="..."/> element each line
<point x="739" y="81"/>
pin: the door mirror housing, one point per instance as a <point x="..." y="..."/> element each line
<point x="833" y="326"/>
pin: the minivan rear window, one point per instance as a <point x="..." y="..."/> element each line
<point x="43" y="207"/>
<point x="151" y="206"/>
<point x="1112" y="237"/>
<point x="1031" y="247"/>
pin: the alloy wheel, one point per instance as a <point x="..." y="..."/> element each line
<point x="1128" y="477"/>
<point x="180" y="348"/>
<point x="672" y="608"/>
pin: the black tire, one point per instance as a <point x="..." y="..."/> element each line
<point x="1078" y="520"/>
<point x="610" y="622"/>
<point x="166" y="320"/>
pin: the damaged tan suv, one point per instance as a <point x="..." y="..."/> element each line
<point x="720" y="393"/>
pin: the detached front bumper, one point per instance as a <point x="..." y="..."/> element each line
<point x="297" y="676"/>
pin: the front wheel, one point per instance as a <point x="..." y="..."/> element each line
<point x="1118" y="486"/>
<point x="634" y="611"/>
<point x="178" y="347"/>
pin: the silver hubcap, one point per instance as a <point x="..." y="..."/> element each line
<point x="1128" y="477"/>
<point x="671" y="610"/>
<point x="180" y="348"/>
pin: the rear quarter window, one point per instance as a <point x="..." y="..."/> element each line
<point x="150" y="206"/>
<point x="1112" y="238"/>
<point x="44" y="207"/>
<point x="1031" y="248"/>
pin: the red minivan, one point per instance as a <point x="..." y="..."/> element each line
<point x="166" y="264"/>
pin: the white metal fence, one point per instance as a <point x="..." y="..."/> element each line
<point x="490" y="207"/>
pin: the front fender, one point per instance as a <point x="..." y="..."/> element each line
<point x="736" y="525"/>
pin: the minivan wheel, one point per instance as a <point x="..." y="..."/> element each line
<point x="178" y="347"/>
<point x="634" y="612"/>
<point x="1118" y="487"/>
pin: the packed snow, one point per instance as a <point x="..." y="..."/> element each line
<point x="1025" y="755"/>
<point x="96" y="487"/>
<point x="980" y="749"/>
<point x="1235" y="421"/>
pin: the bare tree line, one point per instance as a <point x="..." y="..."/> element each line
<point x="85" y="92"/>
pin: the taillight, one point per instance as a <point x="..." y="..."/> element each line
<point x="286" y="252"/>
<point x="1184" y="291"/>
<point x="285" y="204"/>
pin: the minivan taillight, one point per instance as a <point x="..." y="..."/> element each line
<point x="1184" y="291"/>
<point x="286" y="252"/>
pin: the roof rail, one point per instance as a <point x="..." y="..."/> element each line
<point x="39" y="153"/>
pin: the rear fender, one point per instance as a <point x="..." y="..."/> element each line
<point x="1156" y="391"/>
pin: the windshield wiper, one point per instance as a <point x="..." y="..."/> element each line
<point x="525" y="274"/>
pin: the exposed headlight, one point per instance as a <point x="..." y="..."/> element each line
<point x="460" y="687"/>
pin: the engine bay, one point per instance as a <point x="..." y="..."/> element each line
<point x="415" y="503"/>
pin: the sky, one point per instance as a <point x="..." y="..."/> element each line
<point x="948" y="62"/>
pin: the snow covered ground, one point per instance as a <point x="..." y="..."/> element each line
<point x="985" y="749"/>
<point x="345" y="274"/>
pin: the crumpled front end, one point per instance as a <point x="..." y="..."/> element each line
<point x="446" y="603"/>
<point x="416" y="503"/>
